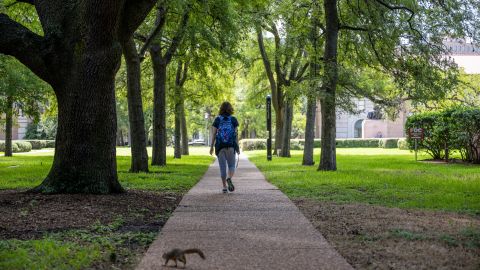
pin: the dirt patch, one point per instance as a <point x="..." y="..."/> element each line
<point x="374" y="237"/>
<point x="31" y="216"/>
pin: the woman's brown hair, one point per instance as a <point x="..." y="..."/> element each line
<point x="226" y="108"/>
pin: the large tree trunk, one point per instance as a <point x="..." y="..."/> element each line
<point x="287" y="128"/>
<point x="79" y="55"/>
<point x="85" y="160"/>
<point x="184" y="130"/>
<point x="8" y="127"/>
<point x="159" y="150"/>
<point x="136" y="119"/>
<point x="328" y="161"/>
<point x="309" y="131"/>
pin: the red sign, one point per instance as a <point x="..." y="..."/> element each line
<point x="415" y="133"/>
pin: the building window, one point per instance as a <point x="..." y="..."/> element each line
<point x="357" y="129"/>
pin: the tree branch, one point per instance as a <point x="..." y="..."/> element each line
<point x="161" y="17"/>
<point x="28" y="47"/>
<point x="353" y="28"/>
<point x="266" y="64"/>
<point x="134" y="12"/>
<point x="278" y="68"/>
<point x="140" y="37"/>
<point x="178" y="36"/>
<point x="299" y="76"/>
<point x="185" y="72"/>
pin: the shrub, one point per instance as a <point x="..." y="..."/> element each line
<point x="356" y="143"/>
<point x="434" y="139"/>
<point x="457" y="128"/>
<point x="388" y="143"/>
<point x="402" y="144"/>
<point x="253" y="144"/>
<point x="46" y="128"/>
<point x="37" y="144"/>
<point x="17" y="146"/>
<point x="50" y="144"/>
<point x="23" y="146"/>
<point x="466" y="127"/>
<point x="298" y="144"/>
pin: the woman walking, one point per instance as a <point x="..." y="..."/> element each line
<point x="225" y="141"/>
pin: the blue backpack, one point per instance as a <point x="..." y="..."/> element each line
<point x="226" y="132"/>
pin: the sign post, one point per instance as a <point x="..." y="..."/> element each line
<point x="416" y="134"/>
<point x="269" y="127"/>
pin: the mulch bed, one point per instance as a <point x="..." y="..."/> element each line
<point x="374" y="237"/>
<point x="30" y="216"/>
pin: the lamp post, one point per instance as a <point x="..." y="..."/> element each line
<point x="269" y="127"/>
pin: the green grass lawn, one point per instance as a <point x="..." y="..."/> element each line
<point x="388" y="177"/>
<point x="26" y="170"/>
<point x="86" y="248"/>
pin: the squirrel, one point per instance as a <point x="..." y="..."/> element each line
<point x="178" y="254"/>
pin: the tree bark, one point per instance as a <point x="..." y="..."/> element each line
<point x="139" y="162"/>
<point x="85" y="160"/>
<point x="313" y="90"/>
<point x="160" y="63"/>
<point x="279" y="115"/>
<point x="159" y="144"/>
<point x="177" y="134"/>
<point x="328" y="160"/>
<point x="287" y="128"/>
<point x="8" y="127"/>
<point x="184" y="131"/>
<point x="180" y="78"/>
<point x="309" y="131"/>
<point x="79" y="56"/>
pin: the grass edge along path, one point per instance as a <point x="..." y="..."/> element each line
<point x="385" y="177"/>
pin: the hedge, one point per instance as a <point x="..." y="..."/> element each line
<point x="457" y="129"/>
<point x="39" y="144"/>
<point x="17" y="146"/>
<point x="403" y="144"/>
<point x="388" y="143"/>
<point x="298" y="144"/>
<point x="354" y="143"/>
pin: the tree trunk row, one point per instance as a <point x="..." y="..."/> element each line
<point x="327" y="99"/>
<point x="159" y="143"/>
<point x="138" y="141"/>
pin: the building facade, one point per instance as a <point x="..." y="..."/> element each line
<point x="463" y="53"/>
<point x="19" y="129"/>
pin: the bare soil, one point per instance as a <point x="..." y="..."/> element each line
<point x="375" y="237"/>
<point x="31" y="216"/>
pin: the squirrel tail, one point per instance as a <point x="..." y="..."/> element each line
<point x="195" y="250"/>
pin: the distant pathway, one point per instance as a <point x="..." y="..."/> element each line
<point x="256" y="227"/>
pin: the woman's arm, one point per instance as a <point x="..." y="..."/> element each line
<point x="214" y="129"/>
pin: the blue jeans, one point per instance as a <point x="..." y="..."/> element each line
<point x="226" y="156"/>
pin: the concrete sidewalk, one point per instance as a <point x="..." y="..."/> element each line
<point x="255" y="227"/>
